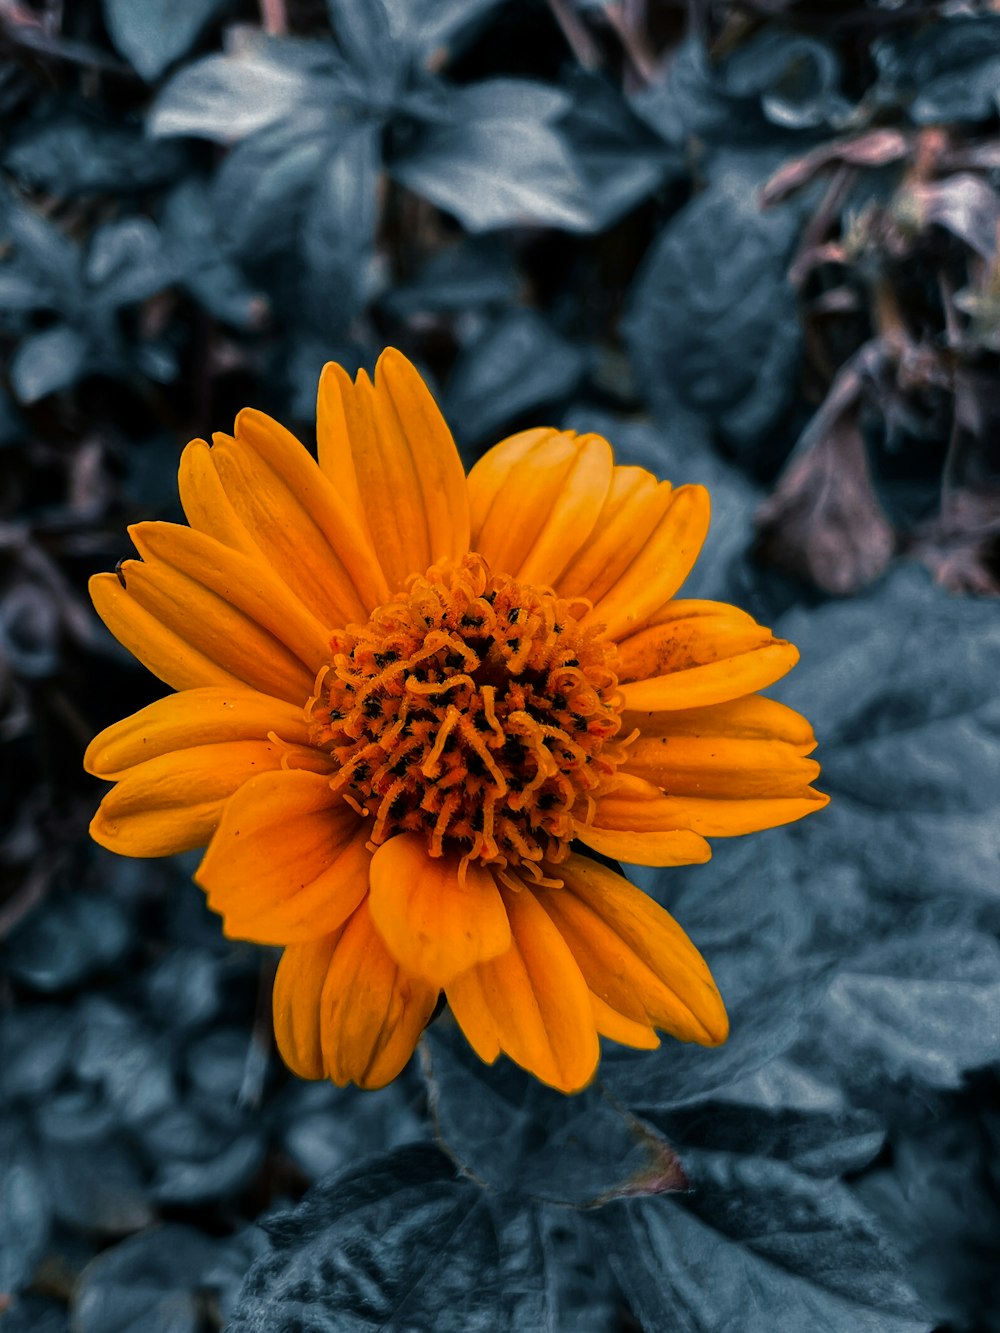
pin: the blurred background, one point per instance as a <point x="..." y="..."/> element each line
<point x="756" y="245"/>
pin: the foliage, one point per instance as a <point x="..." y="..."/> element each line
<point x="757" y="248"/>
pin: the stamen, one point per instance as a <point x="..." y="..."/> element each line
<point x="476" y="711"/>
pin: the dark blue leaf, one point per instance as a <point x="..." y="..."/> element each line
<point x="122" y="1057"/>
<point x="126" y="262"/>
<point x="227" y="97"/>
<point x="198" y="1180"/>
<point x="712" y="319"/>
<point x="67" y="155"/>
<point x="67" y="939"/>
<point x="508" y="1131"/>
<point x="518" y="363"/>
<point x="945" y="71"/>
<point x="399" y="1242"/>
<point x="25" y="1212"/>
<point x="153" y="35"/>
<point x="34" y="1050"/>
<point x="46" y="362"/>
<point x="96" y="1186"/>
<point x="491" y="155"/>
<point x="324" y="1128"/>
<point x="763" y="1249"/>
<point x="473" y="274"/>
<point x="429" y="27"/>
<point x="146" y="1284"/>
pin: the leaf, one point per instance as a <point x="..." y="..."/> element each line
<point x="126" y="262"/>
<point x="144" y="1284"/>
<point x="511" y="1133"/>
<point x="338" y="230"/>
<point x="430" y="28"/>
<point x="96" y="1185"/>
<point x="153" y="35"/>
<point x="620" y="160"/>
<point x="65" y="940"/>
<point x="517" y="364"/>
<point x="227" y="97"/>
<point x="399" y="1242"/>
<point x="945" y="71"/>
<point x="796" y="77"/>
<point x="46" y="362"/>
<point x="489" y="154"/>
<point x="763" y="1249"/>
<point x="67" y="155"/>
<point x="191" y="237"/>
<point x="712" y="318"/>
<point x="25" y="1212"/>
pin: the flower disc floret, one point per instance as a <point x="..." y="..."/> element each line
<point x="475" y="710"/>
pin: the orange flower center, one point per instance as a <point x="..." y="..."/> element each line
<point x="474" y="709"/>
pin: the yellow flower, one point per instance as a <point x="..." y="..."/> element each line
<point x="406" y="696"/>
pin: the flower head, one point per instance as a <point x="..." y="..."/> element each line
<point x="408" y="701"/>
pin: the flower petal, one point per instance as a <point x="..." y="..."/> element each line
<point x="304" y="530"/>
<point x="373" y="1012"/>
<point x="631" y="823"/>
<point x="288" y="861"/>
<point x="659" y="568"/>
<point x="610" y="1023"/>
<point x="243" y="581"/>
<point x="749" y="718"/>
<point x="537" y="497"/>
<point x="190" y="636"/>
<point x="296" y="1004"/>
<point x="393" y="447"/>
<point x="204" y="716"/>
<point x="699" y="653"/>
<point x="174" y="802"/>
<point x="160" y="648"/>
<point x="717" y="783"/>
<point x="635" y="504"/>
<point x="633" y="954"/>
<point x="531" y="1002"/>
<point x="433" y="920"/>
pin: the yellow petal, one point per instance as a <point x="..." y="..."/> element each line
<point x="695" y="654"/>
<point x="390" y="443"/>
<point x="174" y="802"/>
<point x="174" y="624"/>
<point x="204" y="716"/>
<point x="749" y="718"/>
<point x="288" y="862"/>
<point x="373" y="1012"/>
<point x="630" y="823"/>
<point x="242" y="581"/>
<point x="635" y="504"/>
<point x="715" y="767"/>
<point x="159" y="647"/>
<point x="633" y="954"/>
<point x="206" y="505"/>
<point x="296" y="1004"/>
<point x="659" y="568"/>
<point x="302" y="528"/>
<point x="537" y="497"/>
<point x="531" y="1002"/>
<point x="610" y="1023"/>
<point x="435" y="923"/>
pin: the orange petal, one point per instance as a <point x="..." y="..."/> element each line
<point x="635" y="504"/>
<point x="699" y="653"/>
<point x="610" y="1023"/>
<point x="174" y="802"/>
<point x="659" y="568"/>
<point x="296" y="1004"/>
<point x="288" y="862"/>
<point x="189" y="636"/>
<point x="160" y="648"/>
<point x="434" y="921"/>
<point x="242" y="581"/>
<point x="631" y="824"/>
<point x="634" y="955"/>
<point x="390" y="443"/>
<point x="302" y="528"/>
<point x="717" y="784"/>
<point x="531" y="1002"/>
<point x="749" y="718"/>
<point x="372" y="1011"/>
<point x="205" y="716"/>
<point x="206" y="505"/>
<point x="537" y="497"/>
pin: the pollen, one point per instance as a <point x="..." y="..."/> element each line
<point x="474" y="709"/>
